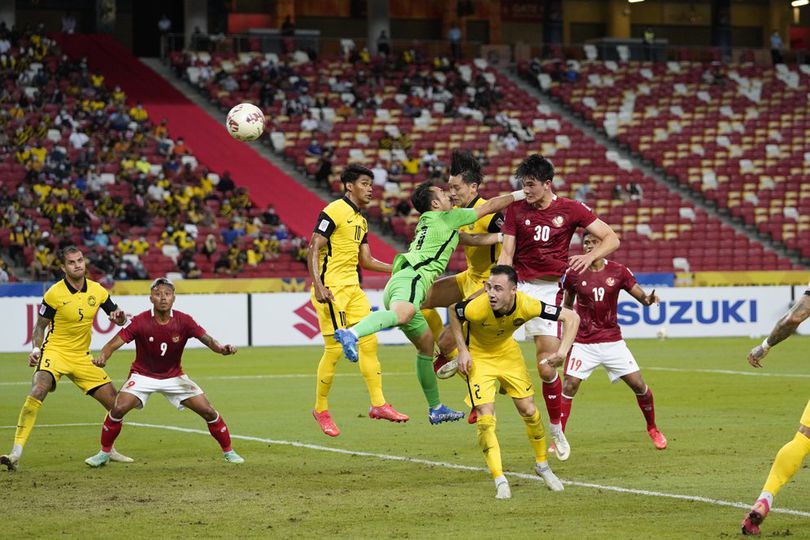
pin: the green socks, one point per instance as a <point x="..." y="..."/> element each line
<point x="374" y="322"/>
<point x="427" y="378"/>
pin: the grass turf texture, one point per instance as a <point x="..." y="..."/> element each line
<point x="723" y="430"/>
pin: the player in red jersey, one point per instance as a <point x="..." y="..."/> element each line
<point x="160" y="336"/>
<point x="537" y="233"/>
<point x="599" y="339"/>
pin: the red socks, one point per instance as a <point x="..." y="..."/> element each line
<point x="552" y="394"/>
<point x="565" y="410"/>
<point x="645" y="403"/>
<point x="109" y="432"/>
<point x="220" y="432"/>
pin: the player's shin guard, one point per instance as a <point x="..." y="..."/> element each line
<point x="109" y="432"/>
<point x="26" y="421"/>
<point x="434" y="321"/>
<point x="645" y="403"/>
<point x="220" y="432"/>
<point x="427" y="379"/>
<point x="537" y="435"/>
<point x="787" y="462"/>
<point x="374" y="322"/>
<point x="488" y="442"/>
<point x="370" y="369"/>
<point x="552" y="391"/>
<point x="332" y="351"/>
<point x="565" y="410"/>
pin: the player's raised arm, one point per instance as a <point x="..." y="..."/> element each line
<point x="645" y="299"/>
<point x="498" y="203"/>
<point x="786" y="326"/>
<point x="609" y="243"/>
<point x="368" y="262"/>
<point x="316" y="243"/>
<point x="487" y="239"/>
<point x="215" y="346"/>
<point x="106" y="351"/>
<point x="507" y="250"/>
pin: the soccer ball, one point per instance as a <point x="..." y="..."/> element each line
<point x="445" y="368"/>
<point x="245" y="122"/>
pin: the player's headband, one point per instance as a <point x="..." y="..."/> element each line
<point x="161" y="281"/>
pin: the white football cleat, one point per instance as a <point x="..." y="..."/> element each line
<point x="115" y="455"/>
<point x="502" y="490"/>
<point x="232" y="457"/>
<point x="10" y="461"/>
<point x="549" y="478"/>
<point x="561" y="447"/>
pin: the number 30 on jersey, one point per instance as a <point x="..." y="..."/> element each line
<point x="542" y="232"/>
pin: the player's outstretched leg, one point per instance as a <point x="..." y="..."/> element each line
<point x="216" y="426"/>
<point x="107" y="395"/>
<point x="109" y="432"/>
<point x="348" y="340"/>
<point x="370" y="324"/>
<point x="326" y="375"/>
<point x="644" y="397"/>
<point x="42" y="384"/>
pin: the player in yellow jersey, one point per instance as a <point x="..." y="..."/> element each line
<point x="67" y="312"/>
<point x="482" y="327"/>
<point x="338" y="244"/>
<point x="790" y="457"/>
<point x="481" y="249"/>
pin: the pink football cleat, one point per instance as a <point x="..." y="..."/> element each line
<point x="327" y="424"/>
<point x="658" y="438"/>
<point x="753" y="519"/>
<point x="473" y="417"/>
<point x="387" y="412"/>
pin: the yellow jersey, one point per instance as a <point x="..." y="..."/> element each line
<point x="71" y="313"/>
<point x="345" y="229"/>
<point x="491" y="333"/>
<point x="481" y="258"/>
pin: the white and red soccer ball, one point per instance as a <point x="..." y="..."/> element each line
<point x="245" y="122"/>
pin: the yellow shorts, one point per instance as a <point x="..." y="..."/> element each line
<point x="508" y="369"/>
<point x="806" y="415"/>
<point x="350" y="305"/>
<point x="469" y="283"/>
<point x="78" y="368"/>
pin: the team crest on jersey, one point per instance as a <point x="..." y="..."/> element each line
<point x="518" y="322"/>
<point x="91" y="300"/>
<point x="584" y="283"/>
<point x="610" y="282"/>
<point x="175" y="339"/>
<point x="528" y="222"/>
<point x="558" y="221"/>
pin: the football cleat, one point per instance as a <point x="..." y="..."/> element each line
<point x="328" y="426"/>
<point x="473" y="417"/>
<point x="115" y="455"/>
<point x="443" y="413"/>
<point x="658" y="438"/>
<point x="348" y="341"/>
<point x="502" y="490"/>
<point x="10" y="461"/>
<point x="99" y="460"/>
<point x="387" y="412"/>
<point x="233" y="457"/>
<point x="561" y="447"/>
<point x="754" y="518"/>
<point x="549" y="478"/>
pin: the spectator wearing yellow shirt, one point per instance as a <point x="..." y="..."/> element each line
<point x="143" y="166"/>
<point x="411" y="166"/>
<point x="39" y="154"/>
<point x="128" y="163"/>
<point x="124" y="246"/>
<point x="97" y="79"/>
<point x="118" y="96"/>
<point x="140" y="246"/>
<point x="138" y="113"/>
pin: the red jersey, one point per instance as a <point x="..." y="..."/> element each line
<point x="542" y="237"/>
<point x="159" y="347"/>
<point x="597" y="300"/>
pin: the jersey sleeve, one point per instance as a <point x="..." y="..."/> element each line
<point x="461" y="310"/>
<point x="583" y="214"/>
<point x="508" y="226"/>
<point x="365" y="239"/>
<point x="495" y="223"/>
<point x="325" y="226"/>
<point x="130" y="331"/>
<point x="628" y="279"/>
<point x="459" y="217"/>
<point x="537" y="308"/>
<point x="46" y="309"/>
<point x="192" y="328"/>
<point x="108" y="305"/>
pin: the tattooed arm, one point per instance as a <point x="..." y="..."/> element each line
<point x="215" y="346"/>
<point x="783" y="330"/>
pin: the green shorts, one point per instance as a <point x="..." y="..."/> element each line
<point x="408" y="286"/>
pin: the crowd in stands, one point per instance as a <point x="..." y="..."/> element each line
<point x="80" y="165"/>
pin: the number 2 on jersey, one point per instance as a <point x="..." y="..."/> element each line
<point x="542" y="232"/>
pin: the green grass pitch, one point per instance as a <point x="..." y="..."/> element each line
<point x="723" y="428"/>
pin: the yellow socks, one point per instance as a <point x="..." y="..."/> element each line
<point x="787" y="462"/>
<point x="26" y="421"/>
<point x="488" y="442"/>
<point x="537" y="435"/>
<point x="332" y="352"/>
<point x="370" y="369"/>
<point x="434" y="321"/>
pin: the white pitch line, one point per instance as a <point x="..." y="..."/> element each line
<point x="731" y="372"/>
<point x="443" y="464"/>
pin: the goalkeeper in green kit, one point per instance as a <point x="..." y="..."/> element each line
<point x="435" y="239"/>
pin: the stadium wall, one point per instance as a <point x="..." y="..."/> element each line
<point x="269" y="319"/>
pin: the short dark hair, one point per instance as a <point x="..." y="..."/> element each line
<point x="161" y="281"/>
<point x="353" y="171"/>
<point x="505" y="270"/>
<point x="422" y="196"/>
<point x="535" y="167"/>
<point x="463" y="163"/>
<point x="67" y="250"/>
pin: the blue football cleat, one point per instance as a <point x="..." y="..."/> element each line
<point x="444" y="414"/>
<point x="348" y="340"/>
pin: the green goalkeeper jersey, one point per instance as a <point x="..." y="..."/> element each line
<point x="434" y="241"/>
